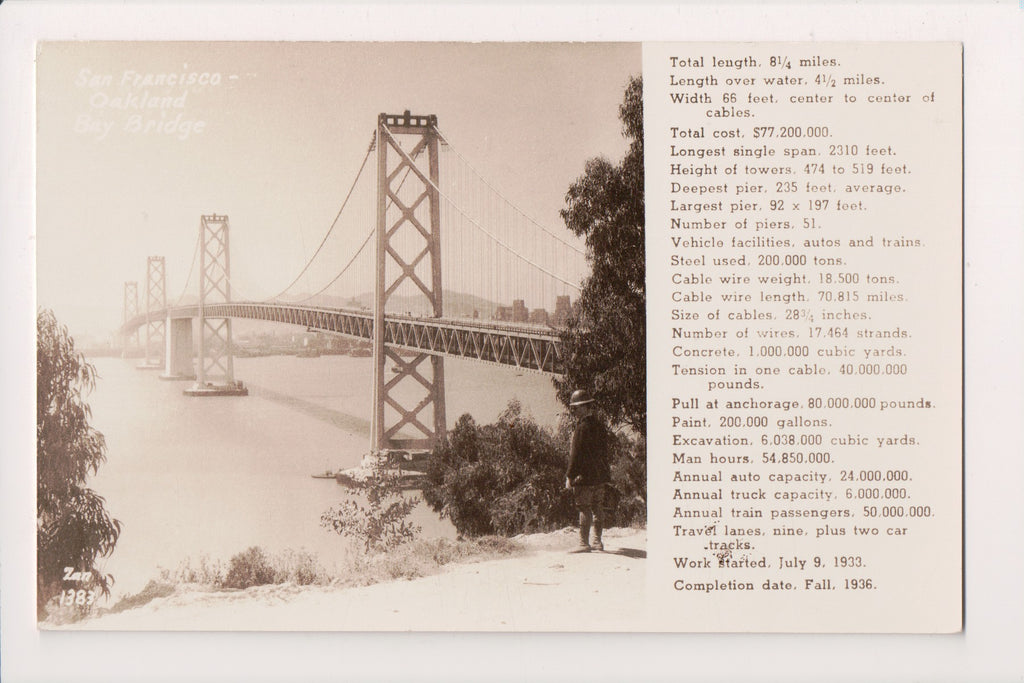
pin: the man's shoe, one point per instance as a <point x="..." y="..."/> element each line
<point x="598" y="545"/>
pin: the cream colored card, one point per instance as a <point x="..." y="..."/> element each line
<point x="803" y="368"/>
<point x="804" y="335"/>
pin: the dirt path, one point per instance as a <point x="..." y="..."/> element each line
<point x="546" y="589"/>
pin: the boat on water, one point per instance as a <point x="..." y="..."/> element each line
<point x="327" y="474"/>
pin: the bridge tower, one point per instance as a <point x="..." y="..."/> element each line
<point x="156" y="300"/>
<point x="216" y="367"/>
<point x="130" y="340"/>
<point x="417" y="221"/>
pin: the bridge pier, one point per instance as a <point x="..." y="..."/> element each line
<point x="178" y="350"/>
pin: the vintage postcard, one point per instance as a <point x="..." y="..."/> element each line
<point x="603" y="332"/>
<point x="357" y="322"/>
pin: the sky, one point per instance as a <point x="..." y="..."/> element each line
<point x="272" y="134"/>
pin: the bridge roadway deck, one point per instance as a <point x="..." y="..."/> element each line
<point x="521" y="345"/>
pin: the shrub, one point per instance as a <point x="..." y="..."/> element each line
<point x="253" y="567"/>
<point x="383" y="523"/>
<point x="629" y="477"/>
<point x="300" y="567"/>
<point x="508" y="477"/>
<point x="207" y="573"/>
<point x="250" y="568"/>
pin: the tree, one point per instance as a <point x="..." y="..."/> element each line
<point x="508" y="477"/>
<point x="73" y="528"/>
<point x="503" y="478"/>
<point x="605" y="340"/>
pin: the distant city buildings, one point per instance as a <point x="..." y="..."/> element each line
<point x="539" y="316"/>
<point x="292" y="342"/>
<point x="519" y="313"/>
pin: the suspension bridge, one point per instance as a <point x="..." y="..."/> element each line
<point x="424" y="260"/>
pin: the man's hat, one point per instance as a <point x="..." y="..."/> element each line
<point x="580" y="397"/>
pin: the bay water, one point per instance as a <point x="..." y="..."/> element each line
<point x="193" y="478"/>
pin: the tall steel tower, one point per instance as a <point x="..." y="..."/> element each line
<point x="130" y="340"/>
<point x="216" y="367"/>
<point x="408" y="251"/>
<point x="156" y="301"/>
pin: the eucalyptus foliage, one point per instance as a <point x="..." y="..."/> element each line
<point x="508" y="477"/>
<point x="504" y="478"/>
<point x="604" y="341"/>
<point x="73" y="528"/>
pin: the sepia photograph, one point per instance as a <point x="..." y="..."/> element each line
<point x="340" y="336"/>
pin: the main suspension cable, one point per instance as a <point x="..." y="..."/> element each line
<point x="390" y="203"/>
<point x="334" y="223"/>
<point x="338" y="276"/>
<point x="481" y="228"/>
<point x="506" y="199"/>
<point x="195" y="256"/>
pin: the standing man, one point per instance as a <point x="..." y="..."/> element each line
<point x="588" y="467"/>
